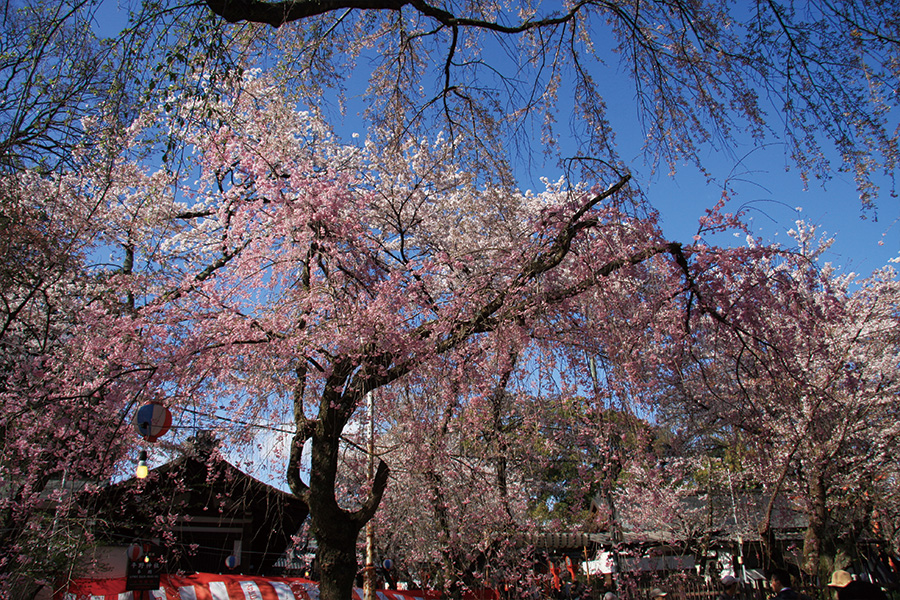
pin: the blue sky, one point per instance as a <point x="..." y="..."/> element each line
<point x="774" y="199"/>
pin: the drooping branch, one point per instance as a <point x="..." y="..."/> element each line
<point x="495" y="434"/>
<point x="277" y="14"/>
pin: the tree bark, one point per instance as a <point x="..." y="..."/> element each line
<point x="815" y="530"/>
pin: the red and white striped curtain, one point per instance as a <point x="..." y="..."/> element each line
<point x="207" y="586"/>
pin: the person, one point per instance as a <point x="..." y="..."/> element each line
<point x="729" y="588"/>
<point x="780" y="581"/>
<point x="657" y="593"/>
<point x="848" y="588"/>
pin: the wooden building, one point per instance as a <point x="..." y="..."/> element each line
<point x="200" y="514"/>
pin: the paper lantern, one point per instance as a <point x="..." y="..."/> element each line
<point x="152" y="420"/>
<point x="135" y="551"/>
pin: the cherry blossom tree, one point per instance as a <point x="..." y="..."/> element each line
<point x="62" y="417"/>
<point x="62" y="413"/>
<point x="291" y="274"/>
<point x="806" y="388"/>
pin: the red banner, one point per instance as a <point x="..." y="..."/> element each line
<point x="208" y="586"/>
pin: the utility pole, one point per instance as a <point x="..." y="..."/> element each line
<point x="369" y="581"/>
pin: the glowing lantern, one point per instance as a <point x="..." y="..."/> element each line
<point x="152" y="420"/>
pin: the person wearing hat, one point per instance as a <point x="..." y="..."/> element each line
<point x="729" y="588"/>
<point x="657" y="593"/>
<point x="780" y="581"/>
<point x="840" y="579"/>
<point x="847" y="588"/>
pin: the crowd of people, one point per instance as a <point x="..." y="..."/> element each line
<point x="843" y="586"/>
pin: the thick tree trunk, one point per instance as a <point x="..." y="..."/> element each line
<point x="814" y="537"/>
<point x="336" y="529"/>
<point x="337" y="560"/>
